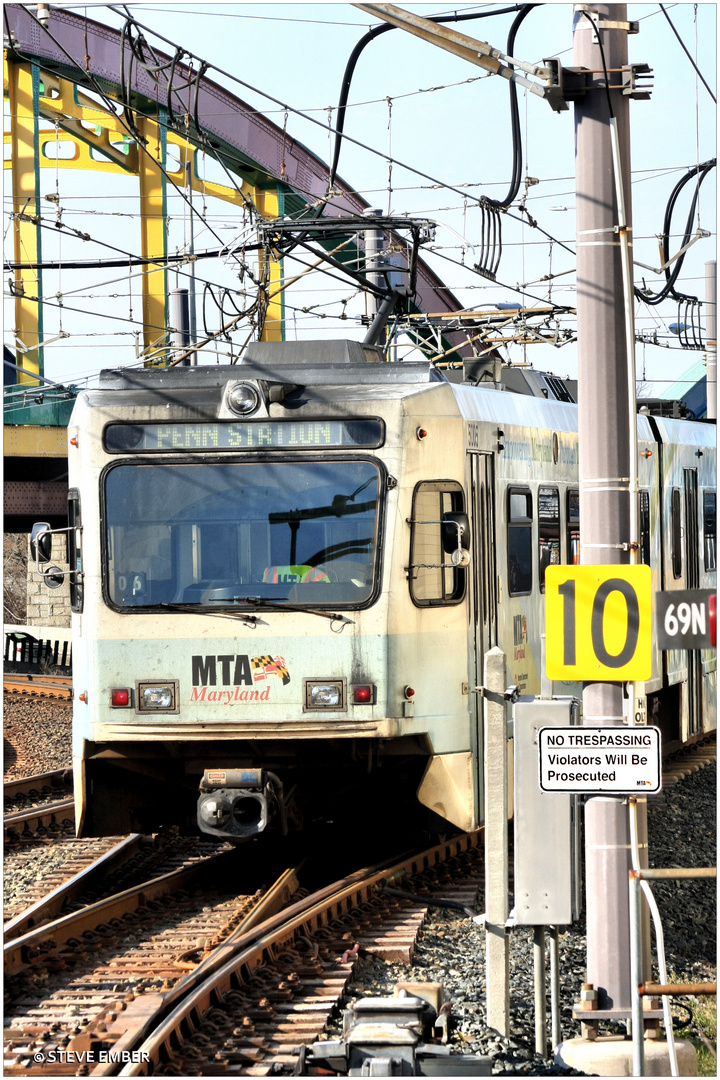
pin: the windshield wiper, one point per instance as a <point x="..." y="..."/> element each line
<point x="282" y="605"/>
<point x="195" y="609"/>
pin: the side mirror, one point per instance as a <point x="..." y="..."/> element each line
<point x="53" y="577"/>
<point x="455" y="532"/>
<point x="41" y="542"/>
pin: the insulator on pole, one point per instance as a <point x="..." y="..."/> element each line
<point x="180" y="323"/>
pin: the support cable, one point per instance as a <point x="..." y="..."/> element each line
<point x="687" y="53"/>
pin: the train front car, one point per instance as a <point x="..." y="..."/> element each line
<point x="246" y="644"/>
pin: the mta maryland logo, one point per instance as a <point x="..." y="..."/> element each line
<point x="224" y="679"/>
<point x="265" y="667"/>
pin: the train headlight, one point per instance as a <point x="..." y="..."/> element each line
<point x="324" y="694"/>
<point x="214" y="811"/>
<point x="157" y="697"/>
<point x="243" y="398"/>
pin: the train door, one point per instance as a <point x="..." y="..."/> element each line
<point x="483" y="588"/>
<point x="692" y="581"/>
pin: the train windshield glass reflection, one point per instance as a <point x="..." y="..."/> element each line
<point x="231" y="534"/>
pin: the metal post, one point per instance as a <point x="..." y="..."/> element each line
<point x="605" y="471"/>
<point x="539" y="971"/>
<point x="638" y="1027"/>
<point x="373" y="248"/>
<point x="189" y="167"/>
<point x="497" y="952"/>
<point x="556" y="1034"/>
<point x="179" y="318"/>
<point x="711" y="338"/>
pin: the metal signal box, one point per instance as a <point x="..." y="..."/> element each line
<point x="547" y="850"/>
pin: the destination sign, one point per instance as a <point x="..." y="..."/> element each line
<point x="243" y="435"/>
<point x="600" y="759"/>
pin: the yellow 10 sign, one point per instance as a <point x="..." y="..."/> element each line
<point x="598" y="623"/>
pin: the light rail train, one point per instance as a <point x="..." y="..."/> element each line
<point x="286" y="575"/>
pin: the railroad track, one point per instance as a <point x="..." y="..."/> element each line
<point x="32" y="787"/>
<point x="47" y="822"/>
<point x="38" y="808"/>
<point x="62" y="874"/>
<point x="688" y="760"/>
<point x="67" y="980"/>
<point x="265" y="994"/>
<point x="49" y="686"/>
<point x="95" y="869"/>
<point x="275" y="1006"/>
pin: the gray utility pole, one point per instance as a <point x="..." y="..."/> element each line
<point x="606" y="390"/>
<point x="711" y="338"/>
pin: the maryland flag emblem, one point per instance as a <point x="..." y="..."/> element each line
<point x="265" y="666"/>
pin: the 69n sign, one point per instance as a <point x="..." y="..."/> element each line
<point x="598" y="623"/>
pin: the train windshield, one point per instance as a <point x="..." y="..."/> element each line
<point x="225" y="534"/>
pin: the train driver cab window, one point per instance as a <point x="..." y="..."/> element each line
<point x="548" y="530"/>
<point x="573" y="526"/>
<point x="645" y="528"/>
<point x="433" y="578"/>
<point x="519" y="541"/>
<point x="236" y="534"/>
<point x="709" y="530"/>
<point x="676" y="527"/>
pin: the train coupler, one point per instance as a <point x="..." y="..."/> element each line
<point x="239" y="803"/>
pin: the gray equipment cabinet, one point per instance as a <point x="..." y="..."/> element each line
<point x="546" y="847"/>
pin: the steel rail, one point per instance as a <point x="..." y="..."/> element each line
<point x="38" y="817"/>
<point x="134" y="1024"/>
<point x="21" y="951"/>
<point x="24" y="785"/>
<point x="59" y="686"/>
<point x="49" y="907"/>
<point x="201" y="988"/>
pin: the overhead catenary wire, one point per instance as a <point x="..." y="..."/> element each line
<point x="124" y="263"/>
<point x="481" y="201"/>
<point x="129" y="125"/>
<point x="298" y="112"/>
<point x="170" y="65"/>
<point x="685" y="49"/>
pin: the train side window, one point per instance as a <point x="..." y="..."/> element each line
<point x="548" y="530"/>
<point x="645" y="527"/>
<point x="573" y="526"/>
<point x="709" y="530"/>
<point x="433" y="578"/>
<point x="519" y="541"/>
<point x="74" y="550"/>
<point x="676" y="526"/>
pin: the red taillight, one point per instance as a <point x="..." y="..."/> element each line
<point x="713" y="620"/>
<point x="120" y="698"/>
<point x="409" y="692"/>
<point x="363" y="695"/>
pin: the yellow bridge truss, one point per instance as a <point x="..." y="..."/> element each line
<point x="100" y="144"/>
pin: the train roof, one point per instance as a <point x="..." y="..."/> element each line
<point x="487" y="404"/>
<point x="687" y="432"/>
